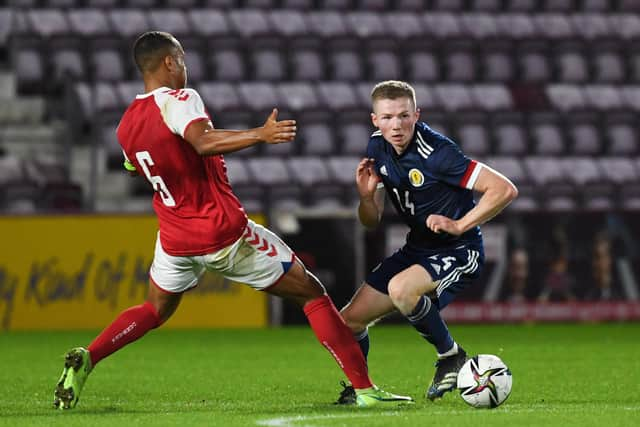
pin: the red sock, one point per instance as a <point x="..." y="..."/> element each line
<point x="334" y="334"/>
<point x="130" y="325"/>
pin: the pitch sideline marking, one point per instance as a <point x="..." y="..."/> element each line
<point x="294" y="420"/>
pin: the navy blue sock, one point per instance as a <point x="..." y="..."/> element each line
<point x="363" y="342"/>
<point x="425" y="317"/>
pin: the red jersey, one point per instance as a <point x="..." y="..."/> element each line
<point x="197" y="210"/>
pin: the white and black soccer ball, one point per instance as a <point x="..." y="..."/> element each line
<point x="484" y="381"/>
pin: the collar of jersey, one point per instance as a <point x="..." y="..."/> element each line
<point x="148" y="94"/>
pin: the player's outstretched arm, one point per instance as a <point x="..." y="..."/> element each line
<point x="371" y="198"/>
<point x="497" y="192"/>
<point x="209" y="141"/>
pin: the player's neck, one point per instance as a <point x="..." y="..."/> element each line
<point x="399" y="149"/>
<point x="152" y="83"/>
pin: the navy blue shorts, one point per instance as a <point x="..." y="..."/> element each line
<point x="452" y="269"/>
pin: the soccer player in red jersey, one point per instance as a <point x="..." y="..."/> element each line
<point x="167" y="136"/>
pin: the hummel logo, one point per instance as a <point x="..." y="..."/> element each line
<point x="383" y="170"/>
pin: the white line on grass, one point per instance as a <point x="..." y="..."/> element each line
<point x="300" y="420"/>
<point x="293" y="421"/>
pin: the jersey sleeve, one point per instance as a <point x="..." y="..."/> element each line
<point x="183" y="108"/>
<point x="453" y="167"/>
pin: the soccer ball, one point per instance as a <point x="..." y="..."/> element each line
<point x="484" y="381"/>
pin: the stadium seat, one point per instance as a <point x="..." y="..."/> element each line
<point x="297" y="96"/>
<point x="312" y="175"/>
<point x="557" y="193"/>
<point x="317" y="139"/>
<point x="460" y="65"/>
<point x="513" y="169"/>
<point x="554" y="26"/>
<point x="89" y="23"/>
<point x="622" y="135"/>
<point x="423" y="66"/>
<point x="342" y="170"/>
<point x="272" y="174"/>
<point x="497" y="66"/>
<point x="353" y="138"/>
<point x="47" y="23"/>
<point x="442" y="25"/>
<point x="619" y="170"/>
<point x="631" y="97"/>
<point x="128" y="23"/>
<point x="267" y="65"/>
<point x="492" y="97"/>
<point x="516" y="26"/>
<point x="251" y="24"/>
<point x="197" y="69"/>
<point x="547" y="136"/>
<point x="603" y="97"/>
<point x="226" y="108"/>
<point x="366" y="25"/>
<point x="228" y="65"/>
<point x="307" y="64"/>
<point x="403" y="26"/>
<point x="591" y="26"/>
<point x="173" y="21"/>
<point x="566" y="98"/>
<point x="340" y="96"/>
<point x="384" y="65"/>
<point x="609" y="66"/>
<point x="454" y="97"/>
<point x="479" y="26"/>
<point x="625" y="26"/>
<point x="473" y="139"/>
<point x="510" y="136"/>
<point x="328" y="25"/>
<point x="258" y="96"/>
<point x="107" y="65"/>
<point x="209" y="23"/>
<point x="585" y="135"/>
<point x="289" y="24"/>
<point x="584" y="173"/>
<point x="534" y="64"/>
<point x="571" y="65"/>
<point x="346" y="65"/>
<point x="425" y="98"/>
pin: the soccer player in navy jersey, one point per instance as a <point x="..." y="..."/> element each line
<point x="167" y="136"/>
<point x="429" y="182"/>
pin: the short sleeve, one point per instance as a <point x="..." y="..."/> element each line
<point x="183" y="107"/>
<point x="453" y="167"/>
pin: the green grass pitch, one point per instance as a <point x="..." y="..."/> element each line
<point x="563" y="375"/>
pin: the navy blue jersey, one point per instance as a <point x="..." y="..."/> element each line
<point x="432" y="176"/>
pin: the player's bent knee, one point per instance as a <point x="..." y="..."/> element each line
<point x="399" y="290"/>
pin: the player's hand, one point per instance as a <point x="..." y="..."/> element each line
<point x="442" y="224"/>
<point x="276" y="132"/>
<point x="366" y="178"/>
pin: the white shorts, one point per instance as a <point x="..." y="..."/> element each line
<point x="259" y="259"/>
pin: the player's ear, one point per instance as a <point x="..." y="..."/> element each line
<point x="417" y="114"/>
<point x="374" y="119"/>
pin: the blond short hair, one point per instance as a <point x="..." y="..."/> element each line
<point x="393" y="89"/>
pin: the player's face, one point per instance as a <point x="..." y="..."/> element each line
<point x="396" y="119"/>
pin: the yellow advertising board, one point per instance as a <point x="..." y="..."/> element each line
<point x="79" y="272"/>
